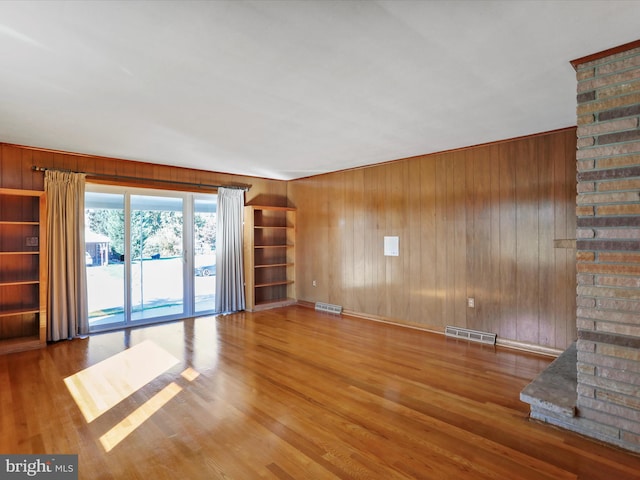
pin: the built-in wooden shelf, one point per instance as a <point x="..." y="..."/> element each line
<point x="23" y="317"/>
<point x="269" y="237"/>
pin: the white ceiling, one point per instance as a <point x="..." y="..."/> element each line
<point x="288" y="89"/>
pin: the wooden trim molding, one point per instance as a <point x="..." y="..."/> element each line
<point x="605" y="53"/>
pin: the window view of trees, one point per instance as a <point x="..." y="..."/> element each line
<point x="152" y="233"/>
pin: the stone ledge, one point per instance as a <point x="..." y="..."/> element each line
<point x="554" y="391"/>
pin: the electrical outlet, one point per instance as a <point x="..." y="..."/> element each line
<point x="471" y="302"/>
<point x="314" y="283"/>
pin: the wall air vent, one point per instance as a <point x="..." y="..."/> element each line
<point x="328" y="308"/>
<point x="472" y="335"/>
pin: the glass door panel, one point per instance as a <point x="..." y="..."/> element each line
<point x="104" y="259"/>
<point x="204" y="248"/>
<point x="157" y="261"/>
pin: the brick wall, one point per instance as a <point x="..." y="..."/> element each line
<point x="608" y="247"/>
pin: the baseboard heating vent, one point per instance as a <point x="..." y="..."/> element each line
<point x="473" y="335"/>
<point x="327" y="307"/>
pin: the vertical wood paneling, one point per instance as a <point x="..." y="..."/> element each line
<point x="475" y="222"/>
<point x="428" y="287"/>
<point x="412" y="264"/>
<point x="358" y="260"/>
<point x="527" y="176"/>
<point x="508" y="241"/>
<point x="547" y="301"/>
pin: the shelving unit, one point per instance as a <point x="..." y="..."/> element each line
<point x="269" y="236"/>
<point x="22" y="270"/>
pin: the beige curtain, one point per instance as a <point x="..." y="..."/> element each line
<point x="229" y="255"/>
<point x="67" y="293"/>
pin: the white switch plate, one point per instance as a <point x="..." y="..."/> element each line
<point x="391" y="246"/>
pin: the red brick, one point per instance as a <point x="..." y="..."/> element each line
<point x="623" y="64"/>
<point x="620" y="89"/>
<point x="611" y="363"/>
<point x="631" y="184"/>
<point x="608" y="104"/>
<point x="586" y="142"/>
<point x="608" y="150"/>
<point x="618" y="161"/>
<point x="615" y="197"/>
<point x="620" y="305"/>
<point x="585" y="256"/>
<point x="586" y="279"/>
<point x="615" y="257"/>
<point x="583" y="211"/>
<point x="631" y="330"/>
<point x="585" y="233"/>
<point x="608" y="268"/>
<point x="585" y="324"/>
<point x="591" y="83"/>
<point x="586" y="302"/>
<point x="624" y="416"/>
<point x="621" y="233"/>
<point x="586" y="187"/>
<point x="608" y="292"/>
<point x="585" y="74"/>
<point x="584" y="165"/>
<point x="618" y="281"/>
<point x="618" y="137"/>
<point x="631" y="354"/>
<point x="607" y="127"/>
<point x="585" y="346"/>
<point x="586" y="119"/>
<point x="586" y="391"/>
<point x="620" y="317"/>
<point x="633" y="209"/>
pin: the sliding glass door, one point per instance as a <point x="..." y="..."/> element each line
<point x="157" y="262"/>
<point x="150" y="255"/>
<point x="104" y="239"/>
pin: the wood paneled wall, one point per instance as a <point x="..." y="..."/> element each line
<point x="477" y="222"/>
<point x="16" y="172"/>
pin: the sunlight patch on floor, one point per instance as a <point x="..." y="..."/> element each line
<point x="98" y="388"/>
<point x="136" y="418"/>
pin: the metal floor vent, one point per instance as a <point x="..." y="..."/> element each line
<point x="473" y="335"/>
<point x="327" y="307"/>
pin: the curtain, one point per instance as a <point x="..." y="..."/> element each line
<point x="229" y="255"/>
<point x="67" y="292"/>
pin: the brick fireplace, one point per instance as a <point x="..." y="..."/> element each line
<point x="594" y="387"/>
<point x="608" y="246"/>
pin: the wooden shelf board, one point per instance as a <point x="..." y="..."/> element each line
<point x="18" y="222"/>
<point x="34" y="252"/>
<point x="273" y="227"/>
<point x="265" y="207"/>
<point x="273" y="284"/>
<point x="19" y="311"/>
<point x="19" y="344"/>
<point x="21" y="193"/>
<point x="272" y="246"/>
<point x="274" y="304"/>
<point x="6" y="283"/>
<point x="267" y="265"/>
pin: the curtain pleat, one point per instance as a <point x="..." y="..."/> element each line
<point x="67" y="292"/>
<point x="229" y="254"/>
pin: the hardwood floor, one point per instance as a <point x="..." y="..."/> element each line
<point x="288" y="394"/>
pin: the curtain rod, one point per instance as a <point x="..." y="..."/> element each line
<point x="125" y="177"/>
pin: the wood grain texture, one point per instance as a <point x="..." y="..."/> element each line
<point x="289" y="393"/>
<point x="477" y="222"/>
<point x="16" y="164"/>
